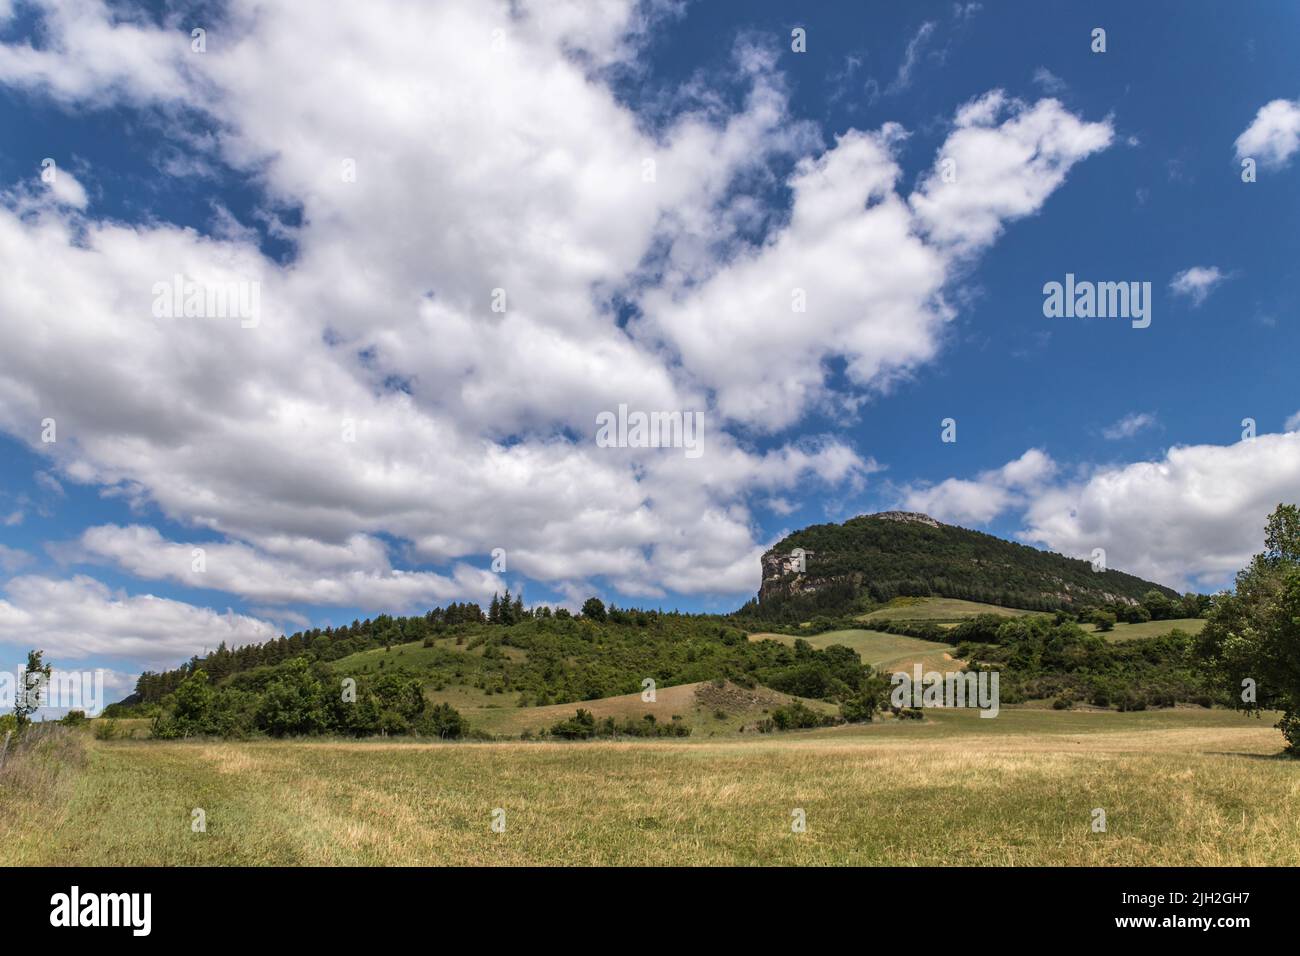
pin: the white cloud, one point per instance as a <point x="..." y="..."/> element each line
<point x="11" y="559"/>
<point x="1292" y="423"/>
<point x="66" y="190"/>
<point x="1194" y="517"/>
<point x="506" y="165"/>
<point x="903" y="79"/>
<point x="1001" y="171"/>
<point x="979" y="501"/>
<point x="1273" y="137"/>
<point x="1049" y="82"/>
<point x="81" y="617"/>
<point x="1189" y="519"/>
<point x="355" y="574"/>
<point x="1197" y="282"/>
<point x="1129" y="425"/>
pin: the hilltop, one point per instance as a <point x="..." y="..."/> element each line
<point x="835" y="568"/>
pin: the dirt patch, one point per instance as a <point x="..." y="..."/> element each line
<point x="735" y="699"/>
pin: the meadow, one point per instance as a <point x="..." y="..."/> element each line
<point x="1180" y="786"/>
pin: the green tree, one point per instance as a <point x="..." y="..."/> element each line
<point x="1104" y="620"/>
<point x="443" y="720"/>
<point x="35" y="677"/>
<point x="1158" y="605"/>
<point x="294" y="703"/>
<point x="594" y="609"/>
<point x="1250" y="645"/>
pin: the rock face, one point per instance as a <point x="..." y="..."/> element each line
<point x="913" y="516"/>
<point x="785" y="570"/>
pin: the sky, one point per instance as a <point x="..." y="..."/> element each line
<point x="312" y="312"/>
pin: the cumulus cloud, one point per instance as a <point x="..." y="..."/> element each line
<point x="1273" y="137"/>
<point x="1292" y="423"/>
<point x="1197" y="282"/>
<point x="1191" y="518"/>
<point x="380" y="398"/>
<point x="979" y="501"/>
<point x="1000" y="163"/>
<point x="354" y="574"/>
<point x="66" y="190"/>
<point x="1129" y="425"/>
<point x="81" y="617"/>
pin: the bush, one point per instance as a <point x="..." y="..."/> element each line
<point x="797" y="715"/>
<point x="581" y="726"/>
<point x="443" y="721"/>
<point x="106" y="729"/>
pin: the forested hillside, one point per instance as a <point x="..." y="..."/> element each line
<point x="875" y="558"/>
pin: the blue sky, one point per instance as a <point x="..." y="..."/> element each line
<point x="475" y="433"/>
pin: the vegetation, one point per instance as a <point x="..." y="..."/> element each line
<point x="1251" y="644"/>
<point x="539" y="660"/>
<point x="584" y="726"/>
<point x="27" y="699"/>
<point x="876" y="559"/>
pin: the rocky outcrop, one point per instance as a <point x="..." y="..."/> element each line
<point x="913" y="516"/>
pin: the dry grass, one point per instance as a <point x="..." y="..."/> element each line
<point x="878" y="649"/>
<point x="937" y="609"/>
<point x="37" y="780"/>
<point x="1178" y="787"/>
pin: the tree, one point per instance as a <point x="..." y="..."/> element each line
<point x="1104" y="620"/>
<point x="193" y="706"/>
<point x="1158" y="605"/>
<point x="594" y="608"/>
<point x="1282" y="534"/>
<point x="294" y="703"/>
<point x="35" y="677"/>
<point x="443" y="720"/>
<point x="1251" y="643"/>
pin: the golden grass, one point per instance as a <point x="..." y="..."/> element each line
<point x="1178" y="787"/>
<point x="937" y="609"/>
<point x="879" y="649"/>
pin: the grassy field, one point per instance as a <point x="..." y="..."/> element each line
<point x="1178" y="787"/>
<point x="878" y="649"/>
<point x="708" y="709"/>
<point x="1129" y="632"/>
<point x="951" y="611"/>
<point x="937" y="609"/>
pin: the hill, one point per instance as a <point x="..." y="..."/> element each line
<point x="833" y="569"/>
